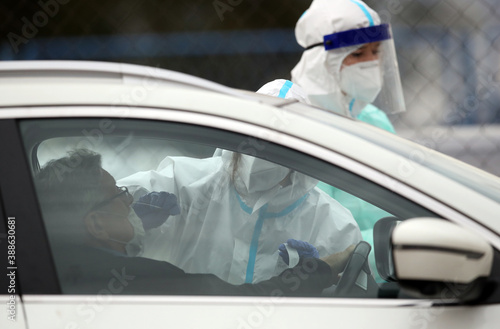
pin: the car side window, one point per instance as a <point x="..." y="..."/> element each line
<point x="151" y="207"/>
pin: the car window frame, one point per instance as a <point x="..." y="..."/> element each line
<point x="285" y="155"/>
<point x="162" y="120"/>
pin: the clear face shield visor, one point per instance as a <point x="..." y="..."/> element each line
<point x="390" y="97"/>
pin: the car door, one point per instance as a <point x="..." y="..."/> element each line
<point x="148" y="153"/>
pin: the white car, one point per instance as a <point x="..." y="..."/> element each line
<point x="432" y="222"/>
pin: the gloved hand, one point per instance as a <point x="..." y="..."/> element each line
<point x="155" y="207"/>
<point x="303" y="248"/>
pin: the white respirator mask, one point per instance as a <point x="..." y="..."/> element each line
<point x="134" y="247"/>
<point x="362" y="81"/>
<point x="260" y="175"/>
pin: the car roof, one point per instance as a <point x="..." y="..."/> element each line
<point x="108" y="72"/>
<point x="84" y="83"/>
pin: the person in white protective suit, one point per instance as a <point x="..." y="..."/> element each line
<point x="349" y="62"/>
<point x="236" y="210"/>
<point x="233" y="220"/>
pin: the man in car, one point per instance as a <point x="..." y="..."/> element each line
<point x="95" y="236"/>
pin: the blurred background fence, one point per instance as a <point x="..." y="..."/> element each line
<point x="448" y="52"/>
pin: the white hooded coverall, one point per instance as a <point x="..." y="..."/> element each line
<point x="318" y="71"/>
<point x="234" y="230"/>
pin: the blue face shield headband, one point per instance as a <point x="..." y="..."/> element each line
<point x="354" y="37"/>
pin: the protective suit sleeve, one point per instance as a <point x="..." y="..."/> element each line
<point x="284" y="89"/>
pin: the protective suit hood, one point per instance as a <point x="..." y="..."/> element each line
<point x="260" y="182"/>
<point x="318" y="71"/>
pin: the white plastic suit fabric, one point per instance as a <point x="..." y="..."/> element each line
<point x="234" y="229"/>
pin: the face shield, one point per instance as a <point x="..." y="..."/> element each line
<point x="363" y="67"/>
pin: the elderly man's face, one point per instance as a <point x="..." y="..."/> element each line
<point x="110" y="218"/>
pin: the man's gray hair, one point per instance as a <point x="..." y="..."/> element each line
<point x="67" y="189"/>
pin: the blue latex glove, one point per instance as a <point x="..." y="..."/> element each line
<point x="155" y="207"/>
<point x="305" y="250"/>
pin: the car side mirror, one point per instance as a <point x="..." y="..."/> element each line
<point x="438" y="259"/>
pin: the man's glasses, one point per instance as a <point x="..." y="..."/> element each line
<point x="123" y="193"/>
